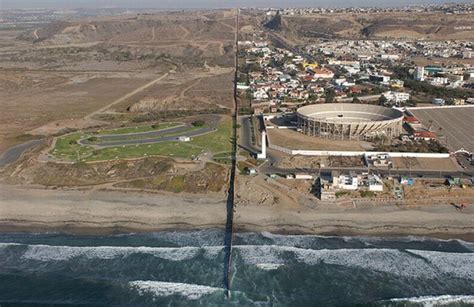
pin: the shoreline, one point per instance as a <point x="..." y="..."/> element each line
<point x="288" y="230"/>
<point x="112" y="212"/>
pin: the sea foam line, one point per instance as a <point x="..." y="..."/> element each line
<point x="439" y="300"/>
<point x="160" y="288"/>
<point x="301" y="240"/>
<point x="392" y="261"/>
<point x="409" y="263"/>
<point x="62" y="253"/>
<point x="458" y="264"/>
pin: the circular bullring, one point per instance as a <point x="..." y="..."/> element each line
<point x="349" y="121"/>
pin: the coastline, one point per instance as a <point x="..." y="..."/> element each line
<point x="112" y="212"/>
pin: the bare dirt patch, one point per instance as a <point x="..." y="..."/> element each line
<point x="425" y="164"/>
<point x="295" y="140"/>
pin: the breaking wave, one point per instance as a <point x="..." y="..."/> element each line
<point x="402" y="263"/>
<point x="267" y="269"/>
<point x="160" y="288"/>
<point x="62" y="253"/>
<point x="458" y="264"/>
<point x="439" y="300"/>
<point x="408" y="263"/>
<point x="320" y="241"/>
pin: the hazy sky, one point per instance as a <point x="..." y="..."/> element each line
<point x="164" y="4"/>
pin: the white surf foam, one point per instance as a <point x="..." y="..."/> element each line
<point x="456" y="264"/>
<point x="390" y="261"/>
<point x="59" y="253"/>
<point x="439" y="300"/>
<point x="199" y="238"/>
<point x="410" y="263"/>
<point x="268" y="266"/>
<point x="160" y="288"/>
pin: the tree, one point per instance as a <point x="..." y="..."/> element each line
<point x="330" y="94"/>
<point x="198" y="123"/>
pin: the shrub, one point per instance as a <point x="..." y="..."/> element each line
<point x="198" y="123"/>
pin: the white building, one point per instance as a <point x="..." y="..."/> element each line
<point x="260" y="94"/>
<point x="375" y="183"/>
<point x="184" y="139"/>
<point x="420" y="73"/>
<point x="345" y="182"/>
<point x="391" y="57"/>
<point x="438" y="81"/>
<point x="467" y="54"/>
<point x="396" y="97"/>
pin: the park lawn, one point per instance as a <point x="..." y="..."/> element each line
<point x="218" y="141"/>
<point x="135" y="129"/>
<point x="171" y="149"/>
<point x="67" y="148"/>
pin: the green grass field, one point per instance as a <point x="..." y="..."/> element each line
<point x="66" y="147"/>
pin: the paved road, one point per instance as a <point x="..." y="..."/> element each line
<point x="245" y="136"/>
<point x="117" y="142"/>
<point x="150" y="137"/>
<point x="141" y="135"/>
<point x="429" y="174"/>
<point x="15" y="152"/>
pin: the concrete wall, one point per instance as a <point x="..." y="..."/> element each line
<point x="358" y="153"/>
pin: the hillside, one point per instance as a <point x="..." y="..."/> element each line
<point x="389" y="25"/>
<point x="164" y="61"/>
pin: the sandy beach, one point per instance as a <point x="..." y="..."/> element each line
<point x="105" y="212"/>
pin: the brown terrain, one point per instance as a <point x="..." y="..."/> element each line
<point x="397" y="25"/>
<point x="53" y="77"/>
<point x="111" y="71"/>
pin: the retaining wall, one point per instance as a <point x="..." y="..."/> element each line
<point x="358" y="153"/>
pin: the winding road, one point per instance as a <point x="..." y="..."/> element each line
<point x="155" y="136"/>
<point x="14" y="153"/>
<point x="150" y="137"/>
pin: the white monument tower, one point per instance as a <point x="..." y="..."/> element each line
<point x="263" y="154"/>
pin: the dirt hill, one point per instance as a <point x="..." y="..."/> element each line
<point x="389" y="25"/>
<point x="140" y="29"/>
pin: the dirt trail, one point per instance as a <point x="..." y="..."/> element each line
<point x="186" y="31"/>
<point x="125" y="97"/>
<point x="228" y="26"/>
<point x="221" y="49"/>
<point x="182" y="95"/>
<point x="153" y="34"/>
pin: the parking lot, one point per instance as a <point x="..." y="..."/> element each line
<point x="457" y="125"/>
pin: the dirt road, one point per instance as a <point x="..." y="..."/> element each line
<point x="125" y="97"/>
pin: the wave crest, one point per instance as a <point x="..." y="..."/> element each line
<point x="62" y="253"/>
<point x="439" y="300"/>
<point x="160" y="288"/>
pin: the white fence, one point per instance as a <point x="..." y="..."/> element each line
<point x="358" y="153"/>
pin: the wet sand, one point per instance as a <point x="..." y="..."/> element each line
<point x="106" y="212"/>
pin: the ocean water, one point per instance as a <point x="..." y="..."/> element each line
<point x="187" y="268"/>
